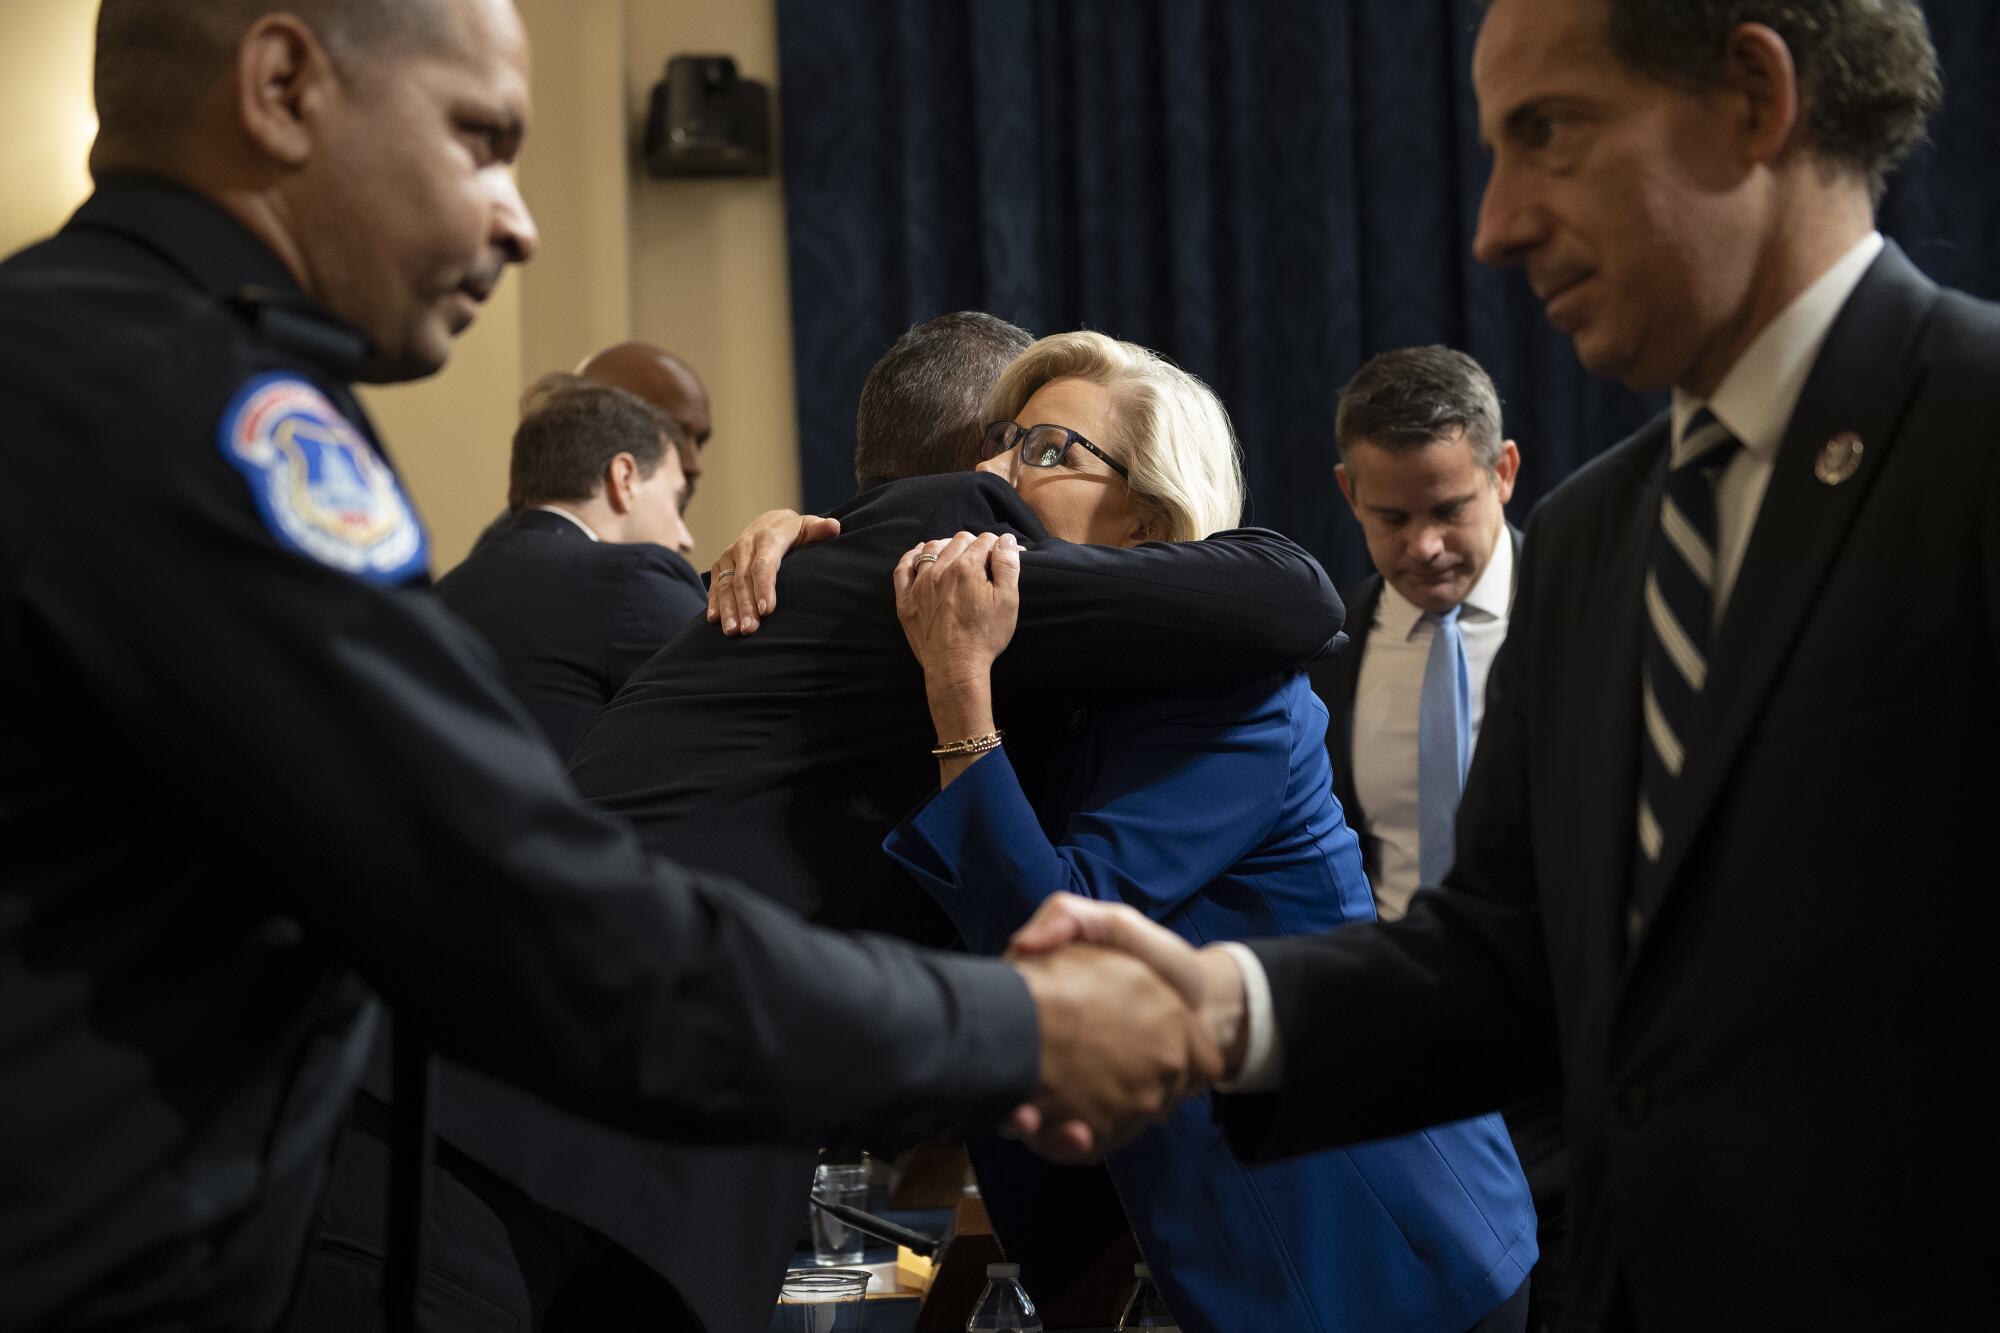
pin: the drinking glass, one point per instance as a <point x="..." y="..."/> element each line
<point x="834" y="1242"/>
<point x="821" y="1300"/>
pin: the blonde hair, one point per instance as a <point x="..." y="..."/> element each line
<point x="1169" y="428"/>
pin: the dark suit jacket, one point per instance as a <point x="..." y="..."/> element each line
<point x="570" y="618"/>
<point x="1776" y="1097"/>
<point x="787" y="756"/>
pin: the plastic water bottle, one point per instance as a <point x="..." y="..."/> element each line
<point x="1147" y="1308"/>
<point x="1004" y="1305"/>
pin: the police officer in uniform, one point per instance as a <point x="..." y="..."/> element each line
<point x="249" y="763"/>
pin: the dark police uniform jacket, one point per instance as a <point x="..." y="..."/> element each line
<point x="247" y="756"/>
<point x="570" y="618"/>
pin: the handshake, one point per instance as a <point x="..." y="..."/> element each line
<point x="1132" y="1019"/>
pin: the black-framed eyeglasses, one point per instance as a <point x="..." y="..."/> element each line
<point x="1042" y="446"/>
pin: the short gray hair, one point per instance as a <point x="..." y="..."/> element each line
<point x="919" y="413"/>
<point x="1413" y="396"/>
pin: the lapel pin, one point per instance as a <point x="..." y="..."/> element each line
<point x="1840" y="459"/>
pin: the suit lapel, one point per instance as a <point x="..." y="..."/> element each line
<point x="1343" y="669"/>
<point x="1338" y="679"/>
<point x="1514" y="586"/>
<point x="1361" y="620"/>
<point x="1607" y="633"/>
<point x="1863" y="382"/>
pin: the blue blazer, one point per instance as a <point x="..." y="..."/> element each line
<point x="1213" y="813"/>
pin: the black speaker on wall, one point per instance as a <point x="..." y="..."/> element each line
<point x="708" y="121"/>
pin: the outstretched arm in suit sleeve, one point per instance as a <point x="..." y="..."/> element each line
<point x="367" y="776"/>
<point x="1158" y="615"/>
<point x="1168" y="615"/>
<point x="1177" y="802"/>
<point x="1463" y="978"/>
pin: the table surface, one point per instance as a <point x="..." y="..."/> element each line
<point x="891" y="1306"/>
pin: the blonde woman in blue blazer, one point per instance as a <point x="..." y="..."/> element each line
<point x="1213" y="813"/>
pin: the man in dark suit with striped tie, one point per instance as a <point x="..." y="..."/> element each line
<point x="1723" y="866"/>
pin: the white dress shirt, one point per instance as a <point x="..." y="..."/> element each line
<point x="1387" y="696"/>
<point x="1755" y="400"/>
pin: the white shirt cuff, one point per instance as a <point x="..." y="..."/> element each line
<point x="1263" y="1068"/>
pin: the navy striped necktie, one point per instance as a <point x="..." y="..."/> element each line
<point x="1680" y="611"/>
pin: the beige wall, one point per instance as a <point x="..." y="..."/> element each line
<point x="45" y="120"/>
<point x="709" y="276"/>
<point x="696" y="266"/>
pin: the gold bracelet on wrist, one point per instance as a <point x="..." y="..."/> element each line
<point x="970" y="747"/>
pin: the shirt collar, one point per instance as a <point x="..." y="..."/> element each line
<point x="558" y="510"/>
<point x="1494" y="593"/>
<point x="1757" y="397"/>
<point x="220" y="257"/>
<point x="1397" y="616"/>
<point x="194" y="234"/>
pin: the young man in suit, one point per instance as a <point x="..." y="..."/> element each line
<point x="1428" y="474"/>
<point x="663" y="382"/>
<point x="590" y="576"/>
<point x="1720" y="866"/>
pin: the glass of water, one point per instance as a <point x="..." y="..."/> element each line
<point x="835" y="1242"/>
<point x="821" y="1300"/>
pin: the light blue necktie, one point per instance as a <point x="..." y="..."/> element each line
<point x="1444" y="717"/>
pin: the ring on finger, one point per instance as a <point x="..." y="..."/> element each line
<point x="721" y="574"/>
<point x="927" y="559"/>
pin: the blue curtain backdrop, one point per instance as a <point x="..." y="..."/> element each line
<point x="1269" y="193"/>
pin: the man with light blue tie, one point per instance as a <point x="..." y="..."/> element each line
<point x="1428" y="472"/>
<point x="1425" y="468"/>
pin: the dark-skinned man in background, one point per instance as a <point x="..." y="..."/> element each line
<point x="669" y="384"/>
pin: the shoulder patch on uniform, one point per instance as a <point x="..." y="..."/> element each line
<point x="321" y="487"/>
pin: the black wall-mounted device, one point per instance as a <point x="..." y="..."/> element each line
<point x="707" y="121"/>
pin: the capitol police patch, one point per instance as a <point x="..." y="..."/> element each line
<point x="321" y="487"/>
